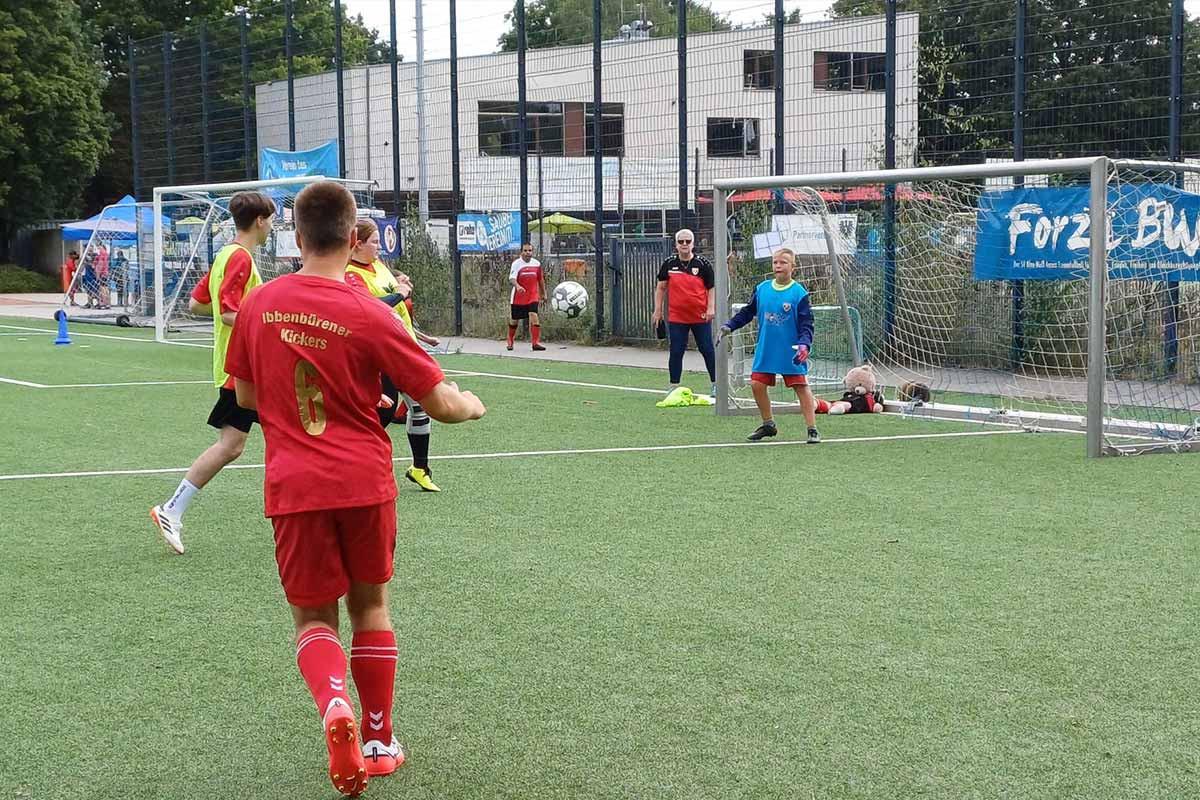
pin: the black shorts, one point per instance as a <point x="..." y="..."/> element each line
<point x="228" y="412"/>
<point x="523" y="311"/>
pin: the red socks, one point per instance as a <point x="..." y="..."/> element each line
<point x="535" y="332"/>
<point x="323" y="665"/>
<point x="373" y="663"/>
<point x="512" y="334"/>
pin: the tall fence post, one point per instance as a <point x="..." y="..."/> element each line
<point x="681" y="48"/>
<point x="455" y="176"/>
<point x="1017" y="287"/>
<point x="169" y="111"/>
<point x="291" y="82"/>
<point x="522" y="122"/>
<point x="206" y="143"/>
<point x="778" y="83"/>
<point x="1175" y="153"/>
<point x="394" y="69"/>
<point x="135" y="106"/>
<point x="339" y="64"/>
<point x="598" y="165"/>
<point x="247" y="147"/>
<point x="889" y="162"/>
<point x="422" y="142"/>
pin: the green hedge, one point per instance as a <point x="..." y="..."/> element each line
<point x="18" y="280"/>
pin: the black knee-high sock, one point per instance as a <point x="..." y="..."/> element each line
<point x="418" y="443"/>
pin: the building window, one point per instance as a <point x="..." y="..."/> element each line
<point x="612" y="128"/>
<point x="849" y="72"/>
<point x="498" y="128"/>
<point x="552" y="129"/>
<point x="732" y="137"/>
<point x="758" y="69"/>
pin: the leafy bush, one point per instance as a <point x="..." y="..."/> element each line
<point x="18" y="280"/>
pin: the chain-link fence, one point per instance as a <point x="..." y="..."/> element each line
<point x="866" y="84"/>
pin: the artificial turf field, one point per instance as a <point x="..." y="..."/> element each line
<point x="937" y="616"/>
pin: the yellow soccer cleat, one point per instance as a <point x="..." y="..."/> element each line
<point x="421" y="478"/>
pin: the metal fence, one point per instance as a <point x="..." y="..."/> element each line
<point x="625" y="126"/>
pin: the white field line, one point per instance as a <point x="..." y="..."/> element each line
<point x="26" y="384"/>
<point x="537" y="453"/>
<point x="466" y="373"/>
<point x="76" y="333"/>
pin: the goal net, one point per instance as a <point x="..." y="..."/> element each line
<point x="1058" y="294"/>
<point x="188" y="225"/>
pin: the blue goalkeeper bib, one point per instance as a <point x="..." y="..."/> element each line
<point x="777" y="328"/>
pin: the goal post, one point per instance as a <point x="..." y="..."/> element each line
<point x="192" y="222"/>
<point x="1047" y="294"/>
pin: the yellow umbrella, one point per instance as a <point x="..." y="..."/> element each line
<point x="561" y="223"/>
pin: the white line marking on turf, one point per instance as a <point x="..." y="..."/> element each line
<point x="463" y="373"/>
<point x="127" y="383"/>
<point x="31" y="385"/>
<point x="24" y="383"/>
<point x="531" y="453"/>
<point x="77" y="333"/>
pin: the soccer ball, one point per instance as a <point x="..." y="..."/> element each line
<point x="569" y="299"/>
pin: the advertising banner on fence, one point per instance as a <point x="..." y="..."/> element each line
<point x="1043" y="233"/>
<point x="485" y="233"/>
<point x="321" y="160"/>
<point x="805" y="235"/>
<point x="389" y="237"/>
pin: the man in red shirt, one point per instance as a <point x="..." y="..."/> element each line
<point x="529" y="287"/>
<point x="307" y="354"/>
<point x="691" y="308"/>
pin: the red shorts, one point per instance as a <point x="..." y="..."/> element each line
<point x="320" y="552"/>
<point x="768" y="379"/>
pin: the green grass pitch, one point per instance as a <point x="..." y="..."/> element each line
<point x="944" y="617"/>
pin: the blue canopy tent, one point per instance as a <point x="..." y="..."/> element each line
<point x="118" y="222"/>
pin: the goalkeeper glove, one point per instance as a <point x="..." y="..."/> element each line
<point x="721" y="334"/>
<point x="801" y="354"/>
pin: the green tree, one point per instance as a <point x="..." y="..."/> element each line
<point x="53" y="131"/>
<point x="113" y="22"/>
<point x="553" y="23"/>
<point x="1096" y="78"/>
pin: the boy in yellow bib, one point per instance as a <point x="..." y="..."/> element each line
<point x="221" y="292"/>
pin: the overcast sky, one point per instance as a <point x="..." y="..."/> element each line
<point x="480" y="22"/>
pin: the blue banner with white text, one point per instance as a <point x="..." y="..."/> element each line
<point x="321" y="160"/>
<point x="485" y="233"/>
<point x="1043" y="233"/>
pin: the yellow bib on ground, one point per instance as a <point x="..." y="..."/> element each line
<point x="221" y="331"/>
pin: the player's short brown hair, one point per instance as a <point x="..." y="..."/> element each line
<point x="325" y="214"/>
<point x="787" y="250"/>
<point x="247" y="207"/>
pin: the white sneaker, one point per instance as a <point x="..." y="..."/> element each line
<point x="382" y="759"/>
<point x="170" y="527"/>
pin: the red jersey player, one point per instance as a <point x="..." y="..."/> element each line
<point x="529" y="288"/>
<point x="307" y="353"/>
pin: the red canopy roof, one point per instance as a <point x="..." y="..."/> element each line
<point x="851" y="194"/>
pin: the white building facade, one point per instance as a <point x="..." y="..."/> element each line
<point x="833" y="115"/>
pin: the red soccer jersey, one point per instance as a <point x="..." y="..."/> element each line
<point x="528" y="275"/>
<point x="237" y="273"/>
<point x="314" y="348"/>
